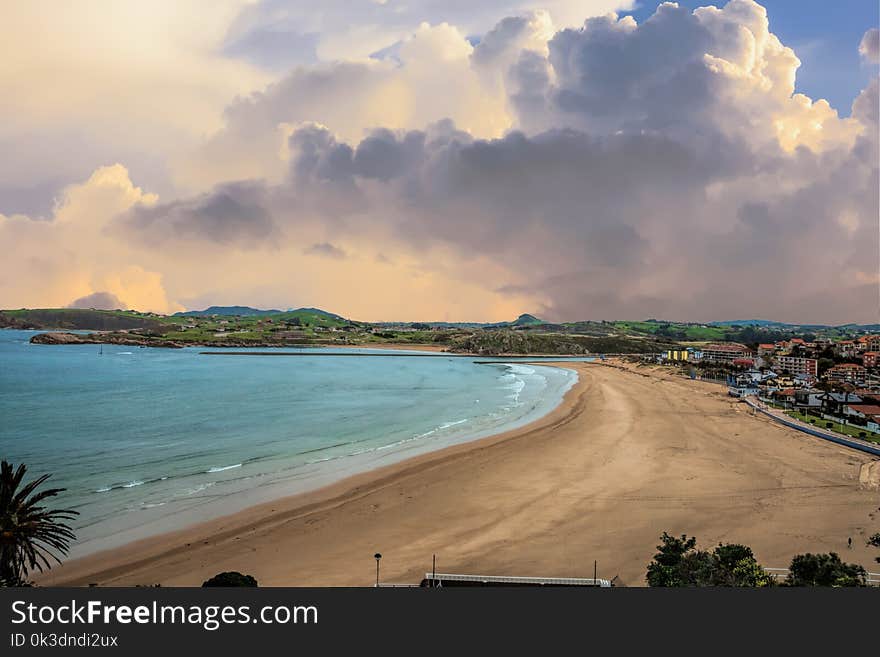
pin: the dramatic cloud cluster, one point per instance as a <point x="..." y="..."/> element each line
<point x="610" y="170"/>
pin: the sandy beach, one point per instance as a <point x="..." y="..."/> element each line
<point x="628" y="454"/>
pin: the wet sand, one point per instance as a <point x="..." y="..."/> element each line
<point x="628" y="454"/>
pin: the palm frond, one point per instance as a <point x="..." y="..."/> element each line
<point x="31" y="535"/>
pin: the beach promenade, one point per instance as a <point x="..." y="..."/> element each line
<point x="629" y="453"/>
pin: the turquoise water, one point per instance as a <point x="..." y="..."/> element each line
<point x="147" y="440"/>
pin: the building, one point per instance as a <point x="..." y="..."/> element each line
<point x="872" y="343"/>
<point x="766" y="349"/>
<point x="807" y="399"/>
<point x="795" y="365"/>
<point x="784" y="396"/>
<point x="867" y="415"/>
<point x="871" y="358"/>
<point x="725" y="353"/>
<point x="847" y="373"/>
<point x="846" y="348"/>
<point x="677" y="354"/>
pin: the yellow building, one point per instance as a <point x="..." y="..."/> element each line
<point x="676" y="354"/>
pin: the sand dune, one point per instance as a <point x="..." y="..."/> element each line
<point x="625" y="457"/>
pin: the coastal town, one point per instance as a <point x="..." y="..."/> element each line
<point x="823" y="382"/>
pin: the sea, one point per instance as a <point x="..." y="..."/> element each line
<point x="150" y="440"/>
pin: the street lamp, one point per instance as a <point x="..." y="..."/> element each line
<point x="377" y="556"/>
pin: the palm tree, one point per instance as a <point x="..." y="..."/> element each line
<point x="30" y="534"/>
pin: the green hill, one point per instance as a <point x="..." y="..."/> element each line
<point x="527" y="320"/>
<point x="313" y="317"/>
<point x="235" y="311"/>
<point x="79" y="319"/>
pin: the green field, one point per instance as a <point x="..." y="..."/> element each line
<point x="674" y="330"/>
<point x="835" y="426"/>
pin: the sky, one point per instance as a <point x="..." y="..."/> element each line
<point x="442" y="159"/>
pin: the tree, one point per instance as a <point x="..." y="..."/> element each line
<point x="679" y="564"/>
<point x="231" y="578"/>
<point x="30" y="534"/>
<point x="736" y="566"/>
<point x="824" y="570"/>
<point x="823" y="365"/>
<point x="875" y="541"/>
<point x="664" y="569"/>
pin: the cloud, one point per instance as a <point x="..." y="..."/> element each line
<point x="99" y="301"/>
<point x="84" y="86"/>
<point x="643" y="181"/>
<point x="869" y="48"/>
<point x="341" y="29"/>
<point x="232" y="214"/>
<point x="326" y="250"/>
<point x="606" y="170"/>
<point x="351" y="98"/>
<point x="74" y="254"/>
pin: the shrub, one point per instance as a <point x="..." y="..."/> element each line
<point x="824" y="570"/>
<point x="231" y="578"/>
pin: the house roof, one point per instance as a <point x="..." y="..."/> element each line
<point x="766" y="346"/>
<point x="866" y="409"/>
<point x="847" y="366"/>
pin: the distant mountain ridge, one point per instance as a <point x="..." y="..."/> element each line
<point x="248" y="311"/>
<point x="237" y="311"/>
<point x="768" y="323"/>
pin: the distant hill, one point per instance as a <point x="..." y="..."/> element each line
<point x="302" y="316"/>
<point x="236" y="311"/>
<point x="764" y="323"/>
<point x="523" y="320"/>
<point x="313" y="317"/>
<point x="767" y="323"/>
<point x="527" y="320"/>
<point x="78" y="319"/>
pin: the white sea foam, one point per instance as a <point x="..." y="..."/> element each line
<point x="222" y="468"/>
<point x="199" y="488"/>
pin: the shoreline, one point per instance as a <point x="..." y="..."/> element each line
<point x="583" y="482"/>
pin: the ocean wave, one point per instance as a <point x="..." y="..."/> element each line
<point x="222" y="468"/>
<point x="199" y="488"/>
<point x="129" y="484"/>
<point x="446" y="425"/>
<point x="521" y="369"/>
